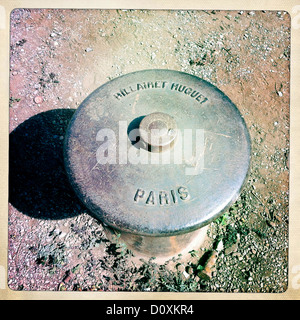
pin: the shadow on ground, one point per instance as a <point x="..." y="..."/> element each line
<point x="38" y="184"/>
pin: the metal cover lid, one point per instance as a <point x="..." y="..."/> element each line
<point x="157" y="152"/>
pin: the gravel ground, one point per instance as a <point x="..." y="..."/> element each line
<point x="58" y="57"/>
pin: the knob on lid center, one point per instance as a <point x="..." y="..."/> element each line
<point x="158" y="130"/>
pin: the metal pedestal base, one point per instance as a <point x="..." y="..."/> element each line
<point x="162" y="248"/>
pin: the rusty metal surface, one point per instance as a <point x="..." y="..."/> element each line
<point x="157" y="199"/>
<point x="163" y="248"/>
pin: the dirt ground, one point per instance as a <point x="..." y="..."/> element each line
<point x="57" y="58"/>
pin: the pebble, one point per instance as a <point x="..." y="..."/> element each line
<point x="62" y="235"/>
<point x="271" y="224"/>
<point x="233" y="247"/>
<point x="38" y="99"/>
<point x="236" y="254"/>
<point x="280" y="93"/>
<point x="88" y="49"/>
<point x="190" y="270"/>
<point x="181" y="268"/>
<point x="68" y="277"/>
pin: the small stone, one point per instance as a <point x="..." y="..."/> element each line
<point x="210" y="266"/>
<point x="62" y="235"/>
<point x="278" y="217"/>
<point x="220" y="246"/>
<point x="236" y="254"/>
<point x="190" y="270"/>
<point x="271" y="224"/>
<point x="62" y="287"/>
<point x="38" y="99"/>
<point x="181" y="268"/>
<point x="88" y="49"/>
<point x="68" y="277"/>
<point x="233" y="247"/>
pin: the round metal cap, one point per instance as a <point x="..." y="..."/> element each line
<point x="157" y="152"/>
